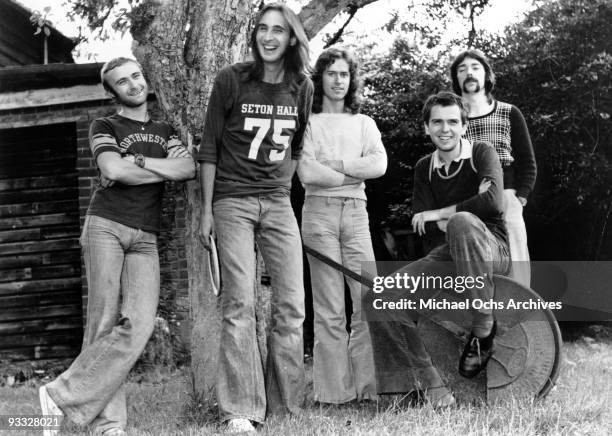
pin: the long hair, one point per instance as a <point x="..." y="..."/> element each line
<point x="352" y="101"/>
<point x="296" y="57"/>
<point x="480" y="57"/>
<point x="444" y="98"/>
<point x="111" y="65"/>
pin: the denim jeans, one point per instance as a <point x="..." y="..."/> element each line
<point x="517" y="238"/>
<point x="244" y="388"/>
<point x="401" y="358"/>
<point x="122" y="269"/>
<point x="343" y="366"/>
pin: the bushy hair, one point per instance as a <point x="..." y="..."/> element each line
<point x="444" y="98"/>
<point x="296" y="57"/>
<point x="112" y="64"/>
<point x="352" y="100"/>
<point x="480" y="57"/>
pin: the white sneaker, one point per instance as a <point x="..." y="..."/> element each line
<point x="239" y="425"/>
<point x="49" y="408"/>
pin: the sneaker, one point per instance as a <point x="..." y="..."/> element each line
<point x="476" y="353"/>
<point x="49" y="408"/>
<point x="239" y="425"/>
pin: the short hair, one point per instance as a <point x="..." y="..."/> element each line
<point x="444" y="98"/>
<point x="112" y="64"/>
<point x="352" y="100"/>
<point x="296" y="57"/>
<point x="480" y="57"/>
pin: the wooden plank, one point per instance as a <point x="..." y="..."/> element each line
<point x="40" y="352"/>
<point x="38" y="208"/>
<point x="40" y="312"/>
<point x="65" y="179"/>
<point x="38" y="168"/>
<point x="34" y="259"/>
<point x="31" y="286"/>
<point x="51" y="149"/>
<point x="41" y="325"/>
<point x="48" y="338"/>
<point x="53" y="337"/>
<point x="40" y="233"/>
<point x="36" y="246"/>
<point x="70" y="296"/>
<point x="30" y="195"/>
<point x="39" y="273"/>
<point x="38" y="220"/>
<point x="47" y="97"/>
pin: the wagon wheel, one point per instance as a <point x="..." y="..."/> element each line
<point x="527" y="346"/>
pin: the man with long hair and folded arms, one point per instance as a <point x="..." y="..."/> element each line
<point x="342" y="148"/>
<point x="256" y="117"/>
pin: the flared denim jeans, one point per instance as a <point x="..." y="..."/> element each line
<point x="122" y="268"/>
<point x="343" y="364"/>
<point x="471" y="250"/>
<point x="245" y="389"/>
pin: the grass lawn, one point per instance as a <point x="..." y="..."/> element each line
<point x="581" y="404"/>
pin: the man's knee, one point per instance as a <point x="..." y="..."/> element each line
<point x="462" y="222"/>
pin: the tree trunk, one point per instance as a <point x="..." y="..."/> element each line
<point x="182" y="44"/>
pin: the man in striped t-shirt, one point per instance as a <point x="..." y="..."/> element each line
<point x="134" y="156"/>
<point x="503" y="126"/>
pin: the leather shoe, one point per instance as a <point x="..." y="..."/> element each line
<point x="476" y="353"/>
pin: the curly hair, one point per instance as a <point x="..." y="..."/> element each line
<point x="352" y="101"/>
<point x="444" y="98"/>
<point x="480" y="57"/>
<point x="296" y="58"/>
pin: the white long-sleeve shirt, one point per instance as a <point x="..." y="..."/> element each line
<point x="353" y="139"/>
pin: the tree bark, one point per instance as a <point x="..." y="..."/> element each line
<point x="182" y="44"/>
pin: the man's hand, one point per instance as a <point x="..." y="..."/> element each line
<point x="129" y="157"/>
<point x="522" y="200"/>
<point x="207" y="225"/>
<point x="442" y="225"/>
<point x="419" y="220"/>
<point x="335" y="165"/>
<point x="484" y="186"/>
<point x="106" y="183"/>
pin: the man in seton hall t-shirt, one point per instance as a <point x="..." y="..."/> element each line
<point x="134" y="156"/>
<point x="251" y="142"/>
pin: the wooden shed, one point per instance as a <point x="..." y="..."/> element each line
<point x="19" y="45"/>
<point x="40" y="262"/>
<point x="47" y="178"/>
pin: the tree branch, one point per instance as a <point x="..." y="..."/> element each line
<point x="336" y="36"/>
<point x="318" y="13"/>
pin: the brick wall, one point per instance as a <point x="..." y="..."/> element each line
<point x="173" y="265"/>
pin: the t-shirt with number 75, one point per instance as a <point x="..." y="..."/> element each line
<point x="252" y="131"/>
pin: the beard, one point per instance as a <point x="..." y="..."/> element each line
<point x="130" y="103"/>
<point x="467" y="81"/>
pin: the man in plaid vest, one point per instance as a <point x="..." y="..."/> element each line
<point x="503" y="126"/>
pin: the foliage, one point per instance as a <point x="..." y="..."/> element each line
<point x="395" y="88"/>
<point x="556" y="67"/>
<point x="562" y="54"/>
<point x="41" y="22"/>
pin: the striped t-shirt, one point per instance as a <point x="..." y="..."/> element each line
<point x="137" y="206"/>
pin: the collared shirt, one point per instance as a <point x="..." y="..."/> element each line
<point x="465" y="153"/>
